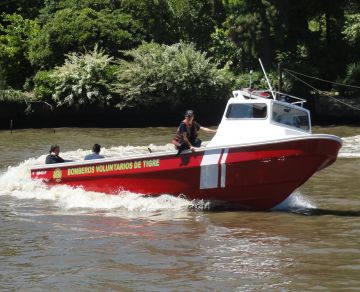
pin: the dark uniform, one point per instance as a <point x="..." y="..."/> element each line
<point x="52" y="158"/>
<point x="191" y="134"/>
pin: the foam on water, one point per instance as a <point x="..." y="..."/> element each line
<point x="351" y="147"/>
<point x="17" y="182"/>
<point x="295" y="202"/>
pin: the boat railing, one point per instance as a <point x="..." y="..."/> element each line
<point x="289" y="98"/>
<point x="260" y="94"/>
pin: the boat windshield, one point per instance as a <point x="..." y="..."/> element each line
<point x="246" y="111"/>
<point x="290" y="116"/>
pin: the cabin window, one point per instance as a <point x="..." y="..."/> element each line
<point x="246" y="111"/>
<point x="291" y="116"/>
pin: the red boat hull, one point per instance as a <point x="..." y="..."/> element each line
<point x="248" y="177"/>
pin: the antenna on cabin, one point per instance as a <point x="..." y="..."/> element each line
<point x="251" y="72"/>
<point x="267" y="79"/>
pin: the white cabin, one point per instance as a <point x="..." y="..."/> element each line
<point x="254" y="116"/>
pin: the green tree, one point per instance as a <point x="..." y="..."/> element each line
<point x="15" y="35"/>
<point x="250" y="24"/>
<point x="170" y="75"/>
<point x="352" y="29"/>
<point x="351" y="33"/>
<point x="155" y="16"/>
<point x="73" y="30"/>
<point x="52" y="6"/>
<point x="196" y="20"/>
<point x="169" y="21"/>
<point x="224" y="51"/>
<point x="25" y="8"/>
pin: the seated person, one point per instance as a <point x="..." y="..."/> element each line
<point x="95" y="153"/>
<point x="186" y="135"/>
<point x="53" y="156"/>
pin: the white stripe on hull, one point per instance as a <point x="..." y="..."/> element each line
<point x="209" y="169"/>
<point x="223" y="167"/>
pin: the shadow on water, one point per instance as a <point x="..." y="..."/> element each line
<point x="298" y="211"/>
<point x="322" y="212"/>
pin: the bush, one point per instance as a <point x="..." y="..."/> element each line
<point x="353" y="74"/>
<point x="83" y="79"/>
<point x="351" y="30"/>
<point x="352" y="78"/>
<point x="45" y="84"/>
<point x="12" y="96"/>
<point x="170" y="75"/>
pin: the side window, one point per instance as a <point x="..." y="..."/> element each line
<point x="246" y="111"/>
<point x="290" y="116"/>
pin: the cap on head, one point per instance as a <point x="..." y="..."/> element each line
<point x="189" y="113"/>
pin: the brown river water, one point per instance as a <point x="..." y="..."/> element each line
<point x="63" y="239"/>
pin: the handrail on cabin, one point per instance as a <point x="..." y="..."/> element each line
<point x="256" y="94"/>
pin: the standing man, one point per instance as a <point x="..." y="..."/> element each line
<point x="186" y="134"/>
<point x="95" y="153"/>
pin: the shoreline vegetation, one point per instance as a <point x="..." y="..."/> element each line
<point x="143" y="63"/>
<point x="22" y="115"/>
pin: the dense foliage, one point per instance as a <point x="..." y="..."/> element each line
<point x="73" y="30"/>
<point x="16" y="34"/>
<point x="161" y="74"/>
<point x="170" y="51"/>
<point x="82" y="79"/>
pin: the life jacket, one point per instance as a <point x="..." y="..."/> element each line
<point x="190" y="129"/>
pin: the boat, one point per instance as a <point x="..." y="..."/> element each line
<point x="262" y="151"/>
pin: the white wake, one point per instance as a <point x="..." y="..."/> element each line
<point x="16" y="182"/>
<point x="351" y="147"/>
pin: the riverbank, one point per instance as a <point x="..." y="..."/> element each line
<point x="23" y="115"/>
<point x="337" y="111"/>
<point x="40" y="115"/>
